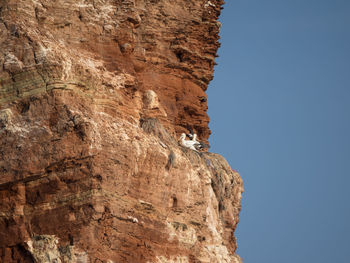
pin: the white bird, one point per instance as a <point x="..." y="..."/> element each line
<point x="190" y="135"/>
<point x="188" y="144"/>
<point x="194" y="137"/>
<point x="192" y="144"/>
<point x="198" y="145"/>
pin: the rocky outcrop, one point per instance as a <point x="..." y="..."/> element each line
<point x="93" y="95"/>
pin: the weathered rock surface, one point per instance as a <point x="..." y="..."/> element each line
<point x="93" y="94"/>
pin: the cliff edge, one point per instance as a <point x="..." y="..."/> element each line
<point x="93" y="96"/>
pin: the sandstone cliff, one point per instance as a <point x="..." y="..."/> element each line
<point x="93" y="96"/>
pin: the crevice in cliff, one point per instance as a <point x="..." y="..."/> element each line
<point x="56" y="167"/>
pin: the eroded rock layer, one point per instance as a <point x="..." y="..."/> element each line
<point x="93" y="94"/>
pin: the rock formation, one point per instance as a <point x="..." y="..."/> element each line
<point x="93" y="96"/>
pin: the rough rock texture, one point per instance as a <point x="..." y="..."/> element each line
<point x="93" y="94"/>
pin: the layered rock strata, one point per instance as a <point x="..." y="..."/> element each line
<point x="93" y="94"/>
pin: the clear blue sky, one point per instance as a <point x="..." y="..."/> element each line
<point x="280" y="114"/>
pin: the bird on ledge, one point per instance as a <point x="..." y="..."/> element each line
<point x="192" y="144"/>
<point x="199" y="145"/>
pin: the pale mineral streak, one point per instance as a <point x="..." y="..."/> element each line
<point x="93" y="96"/>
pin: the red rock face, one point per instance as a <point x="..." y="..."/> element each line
<point x="93" y="97"/>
